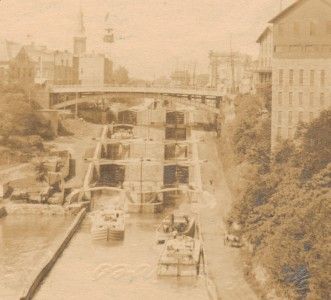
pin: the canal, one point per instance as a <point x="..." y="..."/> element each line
<point x="24" y="241"/>
<point x="122" y="270"/>
<point x="117" y="270"/>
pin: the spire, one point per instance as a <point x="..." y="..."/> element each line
<point x="80" y="30"/>
<point x="80" y="34"/>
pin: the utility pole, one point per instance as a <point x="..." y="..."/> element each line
<point x="194" y="74"/>
<point x="232" y="66"/>
<point x="141" y="180"/>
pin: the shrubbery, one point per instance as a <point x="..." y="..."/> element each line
<point x="21" y="128"/>
<point x="18" y="117"/>
<point x="284" y="208"/>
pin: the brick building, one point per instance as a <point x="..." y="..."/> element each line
<point x="22" y="69"/>
<point x="301" y="65"/>
<point x="264" y="63"/>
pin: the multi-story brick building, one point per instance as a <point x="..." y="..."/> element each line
<point x="264" y="63"/>
<point x="301" y="65"/>
<point x="21" y="70"/>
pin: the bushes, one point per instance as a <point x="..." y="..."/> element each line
<point x="18" y="117"/>
<point x="21" y="129"/>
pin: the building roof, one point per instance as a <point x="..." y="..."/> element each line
<point x="265" y="31"/>
<point x="8" y="50"/>
<point x="294" y="6"/>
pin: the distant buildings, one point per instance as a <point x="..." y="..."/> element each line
<point x="54" y="66"/>
<point x="51" y="67"/>
<point x="301" y="65"/>
<point x="8" y="50"/>
<point x="231" y="72"/>
<point x="22" y="69"/>
<point x="90" y="68"/>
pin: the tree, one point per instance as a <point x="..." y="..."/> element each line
<point x="121" y="75"/>
<point x="316" y="145"/>
<point x="18" y="116"/>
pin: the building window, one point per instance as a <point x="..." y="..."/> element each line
<point x="290" y="99"/>
<point x="279" y="133"/>
<point x="300" y="116"/>
<point x="322" y="77"/>
<point x="312" y="28"/>
<point x="322" y="99"/>
<point x="291" y="77"/>
<point x="301" y="77"/>
<point x="328" y="27"/>
<point x="311" y="99"/>
<point x="311" y="116"/>
<point x="280" y="99"/>
<point x="312" y="77"/>
<point x="301" y="99"/>
<point x="280" y="77"/>
<point x="279" y="117"/>
<point x="296" y="28"/>
<point x="281" y="28"/>
<point x="290" y="117"/>
<point x="290" y="133"/>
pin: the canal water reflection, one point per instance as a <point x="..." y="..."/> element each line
<point x="24" y="240"/>
<point x="116" y="270"/>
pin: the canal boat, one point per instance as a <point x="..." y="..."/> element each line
<point x="181" y="256"/>
<point x="176" y="223"/>
<point x="108" y="225"/>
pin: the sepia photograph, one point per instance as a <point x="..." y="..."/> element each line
<point x="165" y="150"/>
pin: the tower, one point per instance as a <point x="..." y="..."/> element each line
<point x="80" y="35"/>
<point x="108" y="38"/>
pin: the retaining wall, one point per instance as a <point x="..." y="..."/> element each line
<point x="50" y="260"/>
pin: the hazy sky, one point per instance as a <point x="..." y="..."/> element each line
<point x="158" y="33"/>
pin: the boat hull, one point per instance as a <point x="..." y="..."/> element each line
<point x="147" y="208"/>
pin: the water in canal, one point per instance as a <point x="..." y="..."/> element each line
<point x="123" y="270"/>
<point x="24" y="240"/>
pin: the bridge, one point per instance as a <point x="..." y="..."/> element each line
<point x="62" y="96"/>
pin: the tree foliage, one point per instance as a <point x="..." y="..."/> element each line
<point x="284" y="208"/>
<point x="121" y="75"/>
<point x="18" y="116"/>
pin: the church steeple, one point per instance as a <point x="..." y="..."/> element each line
<point x="80" y="35"/>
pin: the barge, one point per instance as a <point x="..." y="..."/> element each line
<point x="108" y="225"/>
<point x="181" y="256"/>
<point x="176" y="223"/>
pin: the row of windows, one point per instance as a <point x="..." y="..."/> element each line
<point x="300" y="28"/>
<point x="290" y="132"/>
<point x="22" y="72"/>
<point x="300" y="76"/>
<point x="291" y="128"/>
<point x="265" y="62"/>
<point x="301" y="117"/>
<point x="302" y="49"/>
<point x="300" y="100"/>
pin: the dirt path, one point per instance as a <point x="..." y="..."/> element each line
<point x="224" y="263"/>
<point x="78" y="144"/>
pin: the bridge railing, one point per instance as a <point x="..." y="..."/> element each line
<point x="135" y="89"/>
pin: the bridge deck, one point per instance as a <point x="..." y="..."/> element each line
<point x="62" y="89"/>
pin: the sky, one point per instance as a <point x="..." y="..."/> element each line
<point x="153" y="37"/>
